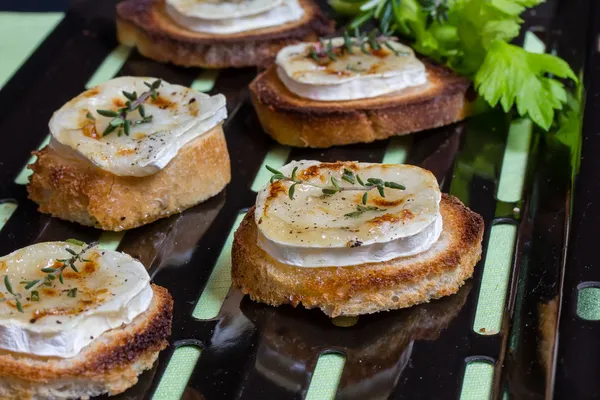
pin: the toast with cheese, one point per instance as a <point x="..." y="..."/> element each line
<point x="144" y="24"/>
<point x="110" y="364"/>
<point x="78" y="191"/>
<point x="367" y="288"/>
<point x="296" y="121"/>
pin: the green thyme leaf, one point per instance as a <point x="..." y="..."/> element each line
<point x="364" y="198"/>
<point x="107" y="113"/>
<point x="8" y="285"/>
<point x="330" y="54"/>
<point x="72" y="292"/>
<point x="372" y="38"/>
<point x="273" y="170"/>
<point x="360" y="181"/>
<point x="129" y="96"/>
<point x="75" y="242"/>
<point x="313" y="53"/>
<point x="347" y="42"/>
<point x="90" y="116"/>
<point x="291" y="191"/>
<point x="35" y="295"/>
<point x="348" y="176"/>
<point x="394" y="185"/>
<point x="116" y="122"/>
<point x="126" y="127"/>
<point x="31" y="284"/>
<point x="19" y="305"/>
<point x="294" y="173"/>
<point x="335" y="183"/>
<point x="381" y="191"/>
<point x="361" y="210"/>
<point x="109" y="129"/>
<point x="329" y="191"/>
<point x="277" y="177"/>
<point x="72" y="252"/>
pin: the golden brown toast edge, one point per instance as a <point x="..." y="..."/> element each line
<point x="364" y="288"/>
<point x="296" y="121"/>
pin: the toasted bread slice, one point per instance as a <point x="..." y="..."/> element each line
<point x="110" y="364"/>
<point x="296" y="121"/>
<point x="145" y="25"/>
<point x="366" y="288"/>
<point x="78" y="191"/>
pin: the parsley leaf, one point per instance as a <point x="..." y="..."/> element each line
<point x="510" y="75"/>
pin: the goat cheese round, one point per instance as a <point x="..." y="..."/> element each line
<point x="60" y="318"/>
<point x="227" y="17"/>
<point x="315" y="229"/>
<point x="308" y="70"/>
<point x="175" y="117"/>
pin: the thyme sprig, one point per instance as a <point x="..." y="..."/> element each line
<point x="367" y="42"/>
<point x="348" y="176"/>
<point x="119" y="121"/>
<point x="360" y="210"/>
<point x="52" y="273"/>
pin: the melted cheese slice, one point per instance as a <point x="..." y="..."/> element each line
<point x="314" y="230"/>
<point x="350" y="76"/>
<point x="112" y="289"/>
<point x="179" y="115"/>
<point x="228" y="17"/>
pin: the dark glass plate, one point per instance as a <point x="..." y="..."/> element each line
<point x="252" y="351"/>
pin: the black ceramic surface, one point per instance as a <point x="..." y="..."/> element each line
<point x="418" y="353"/>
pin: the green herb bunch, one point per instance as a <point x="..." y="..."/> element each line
<point x="472" y="37"/>
<point x="349" y="176"/>
<point x="119" y="121"/>
<point x="52" y="273"/>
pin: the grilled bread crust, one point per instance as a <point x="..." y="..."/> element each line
<point x="366" y="288"/>
<point x="300" y="122"/>
<point x="110" y="364"/>
<point x="144" y="24"/>
<point x="80" y="192"/>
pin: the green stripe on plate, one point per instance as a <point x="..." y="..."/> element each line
<point x="110" y="240"/>
<point x="477" y="383"/>
<point x="516" y="152"/>
<point x="20" y="35"/>
<point x="514" y="164"/>
<point x="276" y="158"/>
<point x="23" y="177"/>
<point x="494" y="283"/>
<point x="218" y="284"/>
<point x="397" y="150"/>
<point x="110" y="66"/>
<point x="7" y="208"/>
<point x="588" y="303"/>
<point x="326" y="377"/>
<point x="177" y="374"/>
<point x="205" y="80"/>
